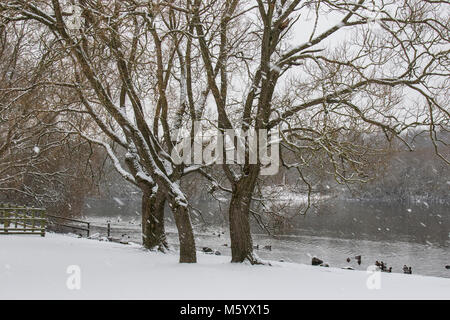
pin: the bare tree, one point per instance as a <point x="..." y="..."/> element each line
<point x="116" y="73"/>
<point x="355" y="75"/>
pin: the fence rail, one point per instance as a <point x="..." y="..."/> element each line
<point x="22" y="220"/>
<point x="29" y="220"/>
<point x="58" y="222"/>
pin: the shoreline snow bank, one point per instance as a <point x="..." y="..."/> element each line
<point x="36" y="268"/>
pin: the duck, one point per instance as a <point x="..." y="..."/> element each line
<point x="407" y="270"/>
<point x="316" y="261"/>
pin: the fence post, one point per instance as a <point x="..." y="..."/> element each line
<point x="33" y="221"/>
<point x="1" y="213"/>
<point x="88" y="229"/>
<point x="109" y="229"/>
<point x="6" y="221"/>
<point x="43" y="223"/>
<point x="15" y="218"/>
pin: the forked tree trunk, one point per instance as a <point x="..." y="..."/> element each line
<point x="153" y="232"/>
<point x="185" y="233"/>
<point x="239" y="219"/>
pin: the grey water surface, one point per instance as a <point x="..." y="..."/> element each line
<point x="416" y="234"/>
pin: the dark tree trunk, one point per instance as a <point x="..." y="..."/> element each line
<point x="239" y="219"/>
<point x="185" y="233"/>
<point x="153" y="232"/>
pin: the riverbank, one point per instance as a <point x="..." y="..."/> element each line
<point x="34" y="267"/>
<point x="299" y="245"/>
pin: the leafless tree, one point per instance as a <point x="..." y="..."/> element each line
<point x="135" y="77"/>
<point x="357" y="75"/>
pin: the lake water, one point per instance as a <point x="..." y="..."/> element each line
<point x="415" y="234"/>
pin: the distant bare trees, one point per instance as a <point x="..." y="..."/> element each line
<point x="37" y="153"/>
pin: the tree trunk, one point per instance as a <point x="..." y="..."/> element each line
<point x="153" y="232"/>
<point x="239" y="219"/>
<point x="185" y="233"/>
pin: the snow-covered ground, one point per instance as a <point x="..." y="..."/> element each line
<point x="34" y="267"/>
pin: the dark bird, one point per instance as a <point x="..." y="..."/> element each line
<point x="316" y="261"/>
<point x="407" y="270"/>
<point x="348" y="260"/>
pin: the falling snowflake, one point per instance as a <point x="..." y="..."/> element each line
<point x="36" y="149"/>
<point x="119" y="202"/>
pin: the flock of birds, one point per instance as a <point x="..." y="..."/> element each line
<point x="380" y="265"/>
<point x="314" y="261"/>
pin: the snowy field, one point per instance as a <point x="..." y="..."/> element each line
<point x="47" y="268"/>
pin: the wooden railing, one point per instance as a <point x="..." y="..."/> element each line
<point x="22" y="220"/>
<point x="69" y="224"/>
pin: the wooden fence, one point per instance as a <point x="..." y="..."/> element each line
<point x="57" y="223"/>
<point x="22" y="220"/>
